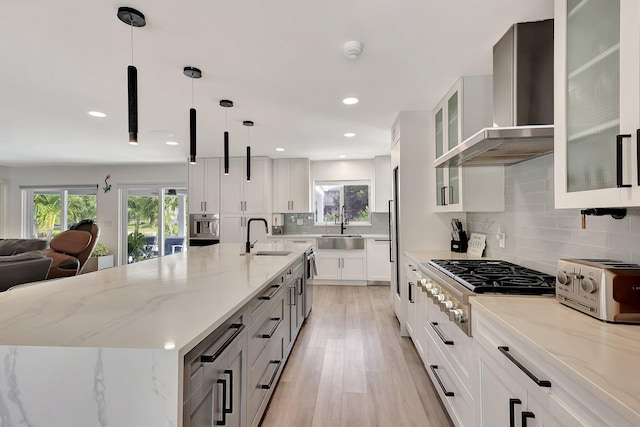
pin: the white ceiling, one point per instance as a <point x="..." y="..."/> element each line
<point x="279" y="61"/>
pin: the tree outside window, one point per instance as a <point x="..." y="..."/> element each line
<point x="331" y="196"/>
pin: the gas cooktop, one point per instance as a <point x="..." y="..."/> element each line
<point x="495" y="276"/>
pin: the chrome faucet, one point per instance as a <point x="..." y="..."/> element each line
<point x="248" y="244"/>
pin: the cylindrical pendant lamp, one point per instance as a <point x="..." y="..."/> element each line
<point x="193" y="73"/>
<point x="226" y="104"/>
<point x="133" y="18"/>
<point x="248" y="124"/>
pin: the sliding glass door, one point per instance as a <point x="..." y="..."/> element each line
<point x="156" y="222"/>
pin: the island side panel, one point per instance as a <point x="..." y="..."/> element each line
<point x="55" y="386"/>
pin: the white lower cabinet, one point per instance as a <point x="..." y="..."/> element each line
<point x="341" y="265"/>
<point x="378" y="260"/>
<point x="518" y="387"/>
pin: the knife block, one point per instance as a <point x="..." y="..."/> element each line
<point x="460" y="245"/>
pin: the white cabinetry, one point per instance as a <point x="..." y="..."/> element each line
<point x="597" y="108"/>
<point x="378" y="260"/>
<point x="464" y="110"/>
<point x="291" y="185"/>
<point x="204" y="186"/>
<point x="516" y="386"/>
<point x="242" y="199"/>
<point x="240" y="195"/>
<point x="340" y="265"/>
<point x="382" y="183"/>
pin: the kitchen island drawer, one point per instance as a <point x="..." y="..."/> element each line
<point x="263" y="377"/>
<point x="266" y="326"/>
<point x="261" y="302"/>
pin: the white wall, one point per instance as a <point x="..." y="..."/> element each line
<point x="108" y="203"/>
<point x="346" y="170"/>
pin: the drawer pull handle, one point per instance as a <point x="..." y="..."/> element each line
<point x="273" y="330"/>
<point x="210" y="358"/>
<point x="512" y="411"/>
<point x="526" y="415"/>
<point x="434" y="325"/>
<point x="541" y="383"/>
<point x="272" y="294"/>
<point x="434" y="368"/>
<point x="273" y="376"/>
<point x="229" y="410"/>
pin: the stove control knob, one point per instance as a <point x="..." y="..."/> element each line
<point x="433" y="291"/>
<point x="437" y="298"/>
<point x="457" y="315"/>
<point x="563" y="278"/>
<point x="446" y="305"/>
<point x="589" y="285"/>
<point x="429" y="284"/>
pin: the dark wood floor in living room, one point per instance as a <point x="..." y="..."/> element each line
<point x="350" y="367"/>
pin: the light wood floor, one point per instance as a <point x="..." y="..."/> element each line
<point x="350" y="367"/>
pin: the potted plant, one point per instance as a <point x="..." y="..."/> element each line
<point x="100" y="258"/>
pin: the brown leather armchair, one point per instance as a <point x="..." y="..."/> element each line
<point x="70" y="249"/>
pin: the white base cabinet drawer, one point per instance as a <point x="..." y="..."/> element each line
<point x="453" y="393"/>
<point x="453" y="342"/>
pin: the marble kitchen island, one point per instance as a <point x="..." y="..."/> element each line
<point x="107" y="348"/>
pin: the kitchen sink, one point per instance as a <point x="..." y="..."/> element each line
<point x="340" y="241"/>
<point x="272" y="253"/>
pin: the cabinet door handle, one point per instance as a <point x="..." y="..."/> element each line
<point x="223" y="421"/>
<point x="411" y="293"/>
<point x="638" y="154"/>
<point x="210" y="358"/>
<point x="512" y="411"/>
<point x="525" y="416"/>
<point x="292" y="205"/>
<point x="273" y="330"/>
<point x="271" y="294"/>
<point x="229" y="410"/>
<point x="202" y="206"/>
<point x="273" y="376"/>
<point x="619" y="140"/>
<point x="434" y="369"/>
<point x="443" y="195"/>
<point x="434" y="325"/>
<point x="205" y="205"/>
<point x="541" y="383"/>
<point x="300" y="283"/>
<point x="293" y="297"/>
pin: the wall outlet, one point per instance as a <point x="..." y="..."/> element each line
<point x="300" y="221"/>
<point x="501" y="240"/>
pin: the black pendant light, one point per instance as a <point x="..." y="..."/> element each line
<point x="133" y="18"/>
<point x="193" y="73"/>
<point x="248" y="123"/>
<point x="226" y="104"/>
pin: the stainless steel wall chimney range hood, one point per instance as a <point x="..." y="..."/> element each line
<point x="522" y="101"/>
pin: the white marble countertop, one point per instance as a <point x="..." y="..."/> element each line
<point x="421" y="256"/>
<point x="163" y="303"/>
<point x="316" y="235"/>
<point x="601" y="357"/>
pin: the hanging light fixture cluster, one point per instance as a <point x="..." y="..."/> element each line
<point x="133" y="18"/>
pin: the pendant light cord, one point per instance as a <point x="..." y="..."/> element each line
<point x="131" y="41"/>
<point x="226" y="115"/>
<point x="192" y="103"/>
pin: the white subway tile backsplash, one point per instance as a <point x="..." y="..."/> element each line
<point x="537" y="234"/>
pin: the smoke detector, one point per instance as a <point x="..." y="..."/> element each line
<point x="352" y="49"/>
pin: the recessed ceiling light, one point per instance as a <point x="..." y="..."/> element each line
<point x="342" y="156"/>
<point x="169" y="345"/>
<point x="349" y="134"/>
<point x="171" y="143"/>
<point x="96" y="114"/>
<point x="162" y="133"/>
<point x="279" y="149"/>
<point x="350" y="101"/>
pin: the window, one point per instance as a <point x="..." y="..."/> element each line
<point x="48" y="211"/>
<point x="332" y="197"/>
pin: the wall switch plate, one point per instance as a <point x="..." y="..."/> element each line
<point x="300" y="221"/>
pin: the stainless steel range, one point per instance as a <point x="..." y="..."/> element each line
<point x="450" y="283"/>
